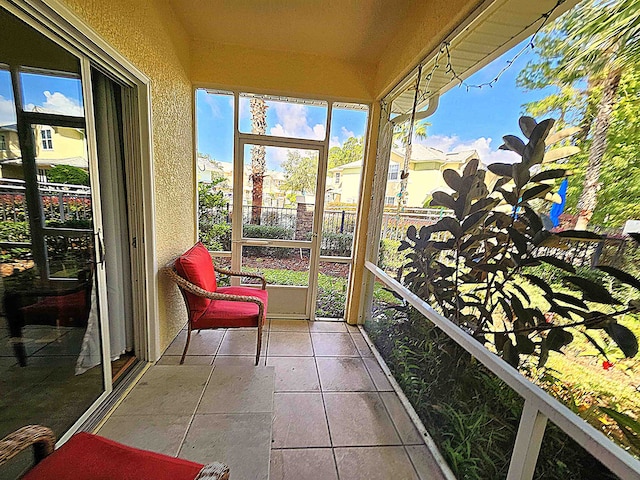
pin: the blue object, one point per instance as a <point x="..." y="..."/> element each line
<point x="558" y="208"/>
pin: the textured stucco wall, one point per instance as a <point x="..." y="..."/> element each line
<point x="144" y="32"/>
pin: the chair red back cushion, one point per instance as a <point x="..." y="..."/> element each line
<point x="90" y="457"/>
<point x="195" y="265"/>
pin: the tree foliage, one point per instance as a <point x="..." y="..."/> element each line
<point x="300" y="173"/>
<point x="351" y="150"/>
<point x="591" y="55"/>
<point x="473" y="266"/>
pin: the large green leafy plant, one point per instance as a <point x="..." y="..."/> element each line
<point x="474" y="265"/>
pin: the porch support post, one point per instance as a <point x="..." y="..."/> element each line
<point x="370" y="213"/>
<point x="528" y="442"/>
<point x="354" y="293"/>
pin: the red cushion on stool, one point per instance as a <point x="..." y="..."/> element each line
<point x="90" y="457"/>
<point x="229" y="314"/>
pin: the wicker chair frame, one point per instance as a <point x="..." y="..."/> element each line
<point x="187" y="287"/>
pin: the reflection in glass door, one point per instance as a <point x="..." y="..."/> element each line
<point x="277" y="211"/>
<point x="51" y="361"/>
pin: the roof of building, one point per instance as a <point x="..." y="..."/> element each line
<point x="11" y="127"/>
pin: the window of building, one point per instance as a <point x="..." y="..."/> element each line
<point x="389" y="200"/>
<point x="393" y="171"/>
<point x="337" y="178"/>
<point x="47" y="140"/>
<point x="3" y="143"/>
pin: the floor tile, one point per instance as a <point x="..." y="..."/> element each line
<point x="205" y="342"/>
<point x="166" y="389"/>
<point x="241" y="342"/>
<point x="374" y="463"/>
<point x="299" y="421"/>
<point x="188" y="360"/>
<point x="303" y="464"/>
<point x="344" y="374"/>
<point x="158" y="433"/>
<point x="424" y="463"/>
<point x="289" y="326"/>
<point x="378" y="376"/>
<point x="289" y="344"/>
<point x="359" y="419"/>
<point x="333" y="345"/>
<point x="242" y="441"/>
<point x="335" y="327"/>
<point x="238" y="360"/>
<point x="295" y="374"/>
<point x="239" y="389"/>
<point x="361" y="344"/>
<point x="409" y="434"/>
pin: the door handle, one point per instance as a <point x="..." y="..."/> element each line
<point x="100" y="245"/>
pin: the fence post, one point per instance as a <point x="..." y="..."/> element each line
<point x="342" y="223"/>
<point x="528" y="442"/>
<point x="61" y="206"/>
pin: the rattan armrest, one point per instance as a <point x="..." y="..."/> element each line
<point x="243" y="274"/>
<point x="196" y="290"/>
<point x="42" y="439"/>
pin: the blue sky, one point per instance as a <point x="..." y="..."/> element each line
<point x="50" y="94"/>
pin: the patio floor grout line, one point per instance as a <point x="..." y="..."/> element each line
<point x="193" y="415"/>
<point x="324" y="407"/>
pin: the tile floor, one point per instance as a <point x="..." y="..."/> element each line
<point x="317" y="407"/>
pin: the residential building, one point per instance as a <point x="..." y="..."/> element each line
<point x="425" y="175"/>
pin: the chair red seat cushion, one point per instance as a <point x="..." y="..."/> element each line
<point x="196" y="266"/>
<point x="229" y="314"/>
<point x="71" y="309"/>
<point x="90" y="457"/>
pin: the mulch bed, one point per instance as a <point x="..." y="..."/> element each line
<point x="297" y="264"/>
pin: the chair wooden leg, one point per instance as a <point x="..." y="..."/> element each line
<point x="259" y="343"/>
<point x="186" y="347"/>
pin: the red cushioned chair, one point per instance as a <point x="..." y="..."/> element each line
<point x="210" y="306"/>
<point x="90" y="457"/>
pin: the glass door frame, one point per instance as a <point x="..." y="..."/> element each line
<point x="237" y="239"/>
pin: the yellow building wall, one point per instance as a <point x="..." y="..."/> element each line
<point x="67" y="143"/>
<point x="147" y="35"/>
<point x="13" y="146"/>
<point x="350" y="180"/>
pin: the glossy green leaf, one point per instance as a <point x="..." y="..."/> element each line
<point x="624" y="337"/>
<point x="624" y="277"/>
<point x="549" y="175"/>
<point x="536" y="191"/>
<point x="558" y="338"/>
<point x="593" y="291"/>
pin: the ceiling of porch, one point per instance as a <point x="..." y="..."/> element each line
<point x="352" y="31"/>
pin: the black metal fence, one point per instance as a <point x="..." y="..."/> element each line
<point x="60" y="203"/>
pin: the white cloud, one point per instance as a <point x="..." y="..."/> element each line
<point x="334" y="142"/>
<point x="482" y="145"/>
<point x="7" y="111"/>
<point x="292" y="122"/>
<point x="58" y="103"/>
<point x="346" y="133"/>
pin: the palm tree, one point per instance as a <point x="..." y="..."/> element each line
<point x="258" y="156"/>
<point x="604" y="40"/>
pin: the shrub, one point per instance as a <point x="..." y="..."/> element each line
<point x="268" y="231"/>
<point x="472" y="415"/>
<point x="337" y="244"/>
<point x="68" y="174"/>
<point x="390" y="259"/>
